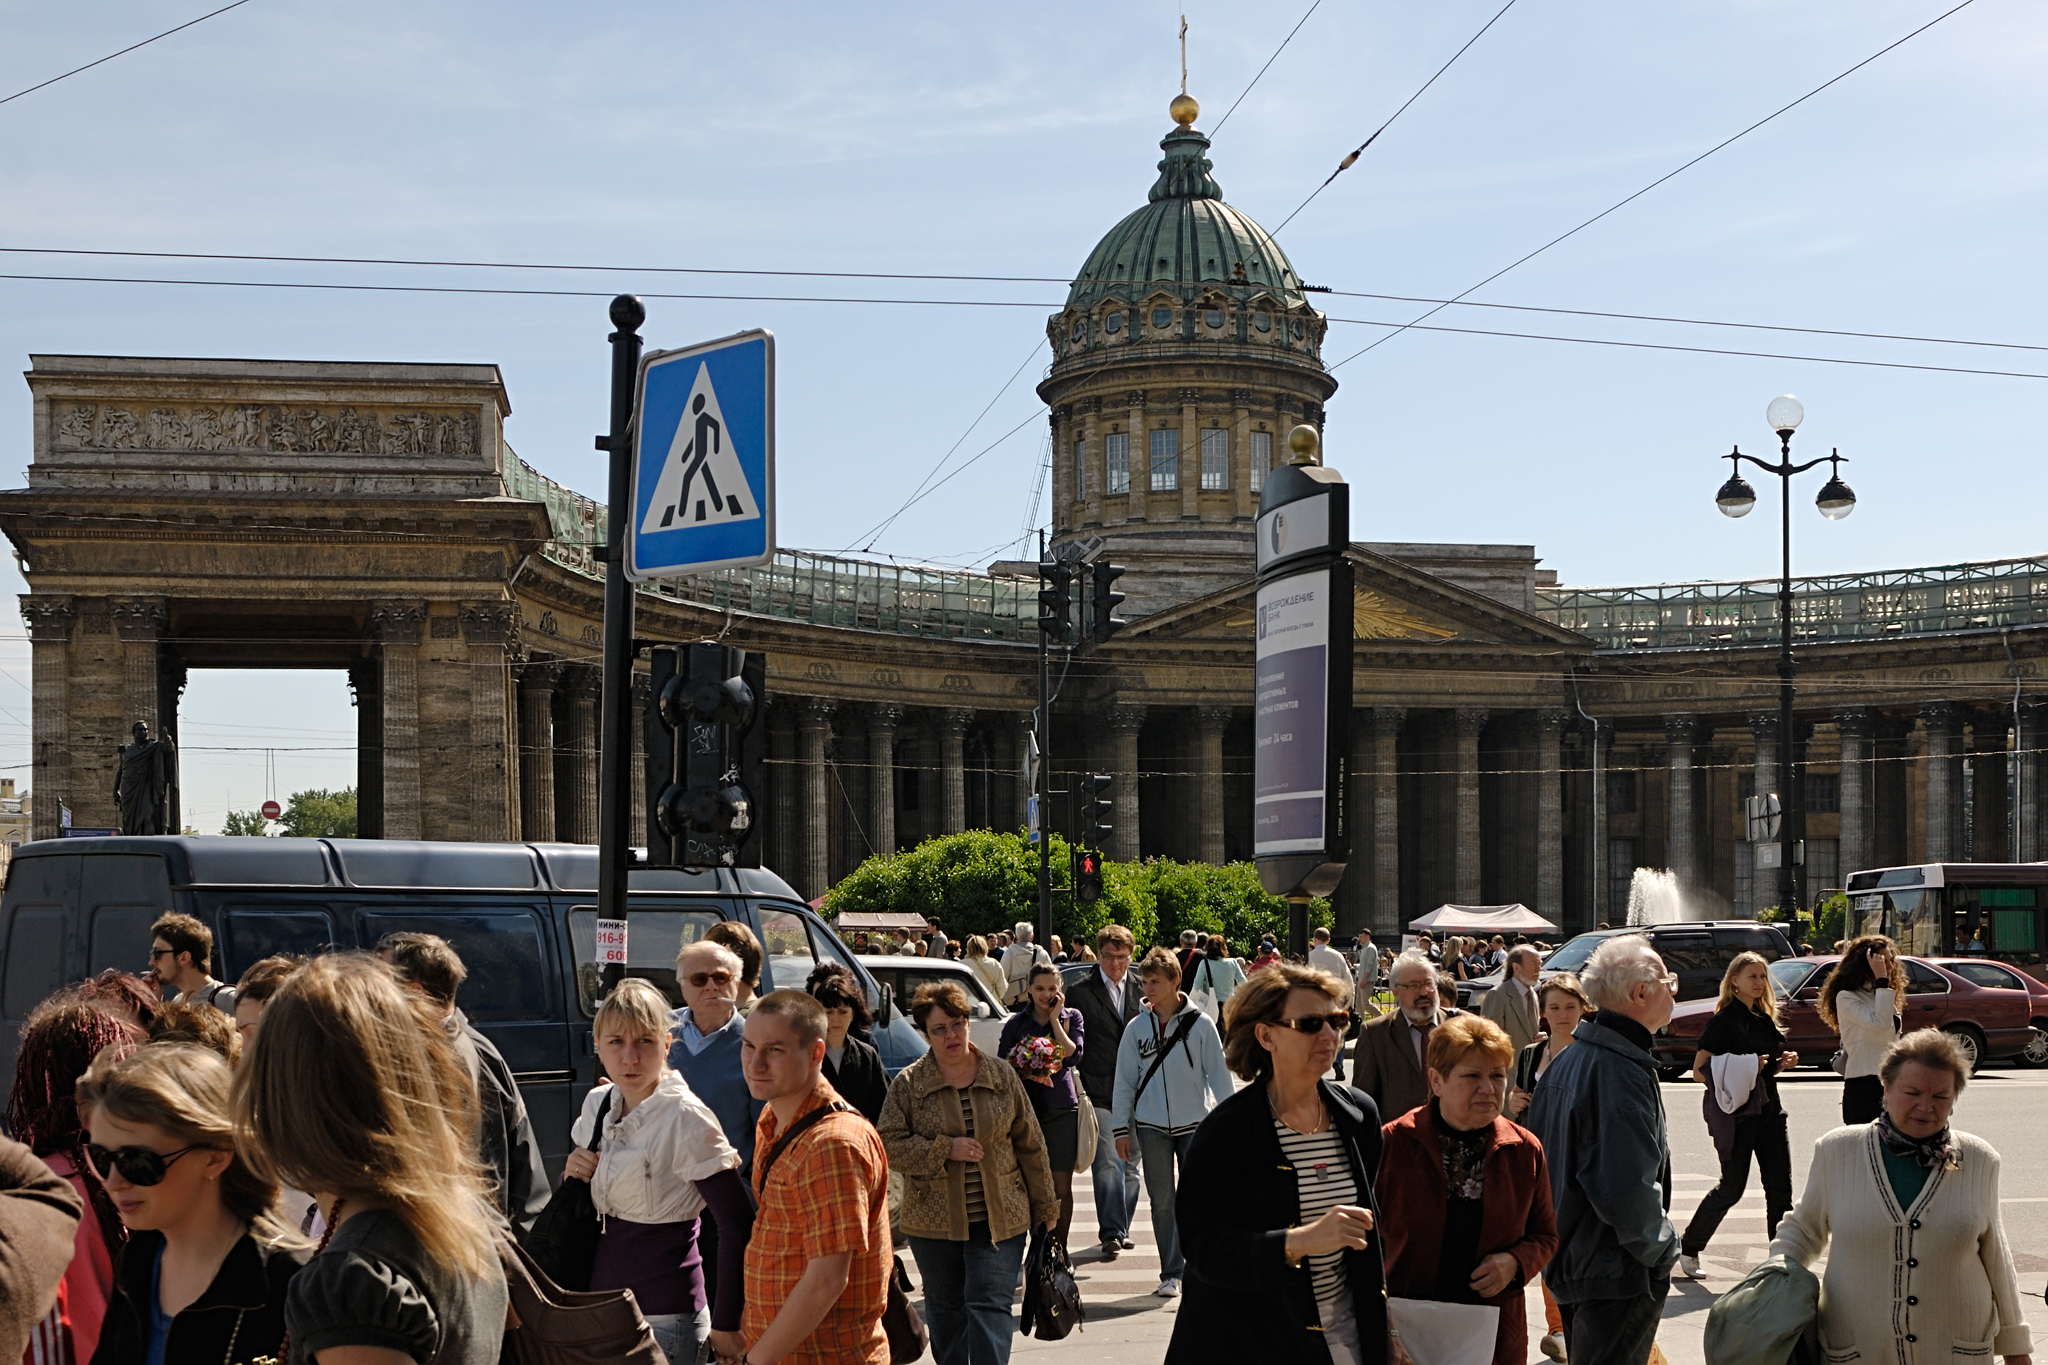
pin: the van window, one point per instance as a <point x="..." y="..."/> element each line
<point x="786" y="948"/>
<point x="1764" y="941"/>
<point x="508" y="967"/>
<point x="120" y="938"/>
<point x="1693" y="953"/>
<point x="259" y="931"/>
<point x="653" y="938"/>
<point x="35" y="959"/>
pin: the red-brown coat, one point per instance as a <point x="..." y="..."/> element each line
<point x="1516" y="1218"/>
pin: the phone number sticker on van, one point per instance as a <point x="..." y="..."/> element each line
<point x="611" y="942"/>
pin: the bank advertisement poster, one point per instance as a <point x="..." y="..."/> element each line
<point x="1290" y="715"/>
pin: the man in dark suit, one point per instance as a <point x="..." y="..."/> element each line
<point x="1108" y="998"/>
<point x="1387" y="1062"/>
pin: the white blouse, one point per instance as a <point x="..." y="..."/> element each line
<point x="1869" y="1027"/>
<point x="653" y="1157"/>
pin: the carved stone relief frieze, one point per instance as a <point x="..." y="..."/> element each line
<point x="250" y="428"/>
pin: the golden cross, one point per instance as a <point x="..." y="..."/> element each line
<point x="1183" y="54"/>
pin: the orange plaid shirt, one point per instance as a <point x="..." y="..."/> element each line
<point x="827" y="1194"/>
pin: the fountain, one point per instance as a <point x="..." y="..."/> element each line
<point x="1655" y="897"/>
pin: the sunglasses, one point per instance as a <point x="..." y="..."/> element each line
<point x="156" y="953"/>
<point x="1316" y="1023"/>
<point x="137" y="1165"/>
<point x="702" y="979"/>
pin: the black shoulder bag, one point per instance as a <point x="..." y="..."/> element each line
<point x="1173" y="1040"/>
<point x="563" y="1239"/>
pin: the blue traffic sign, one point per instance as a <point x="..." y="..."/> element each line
<point x="704" y="459"/>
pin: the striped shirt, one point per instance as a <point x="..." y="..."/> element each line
<point x="977" y="1198"/>
<point x="1322" y="1175"/>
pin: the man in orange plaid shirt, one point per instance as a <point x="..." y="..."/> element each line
<point x="818" y="1265"/>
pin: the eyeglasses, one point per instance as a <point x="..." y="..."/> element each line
<point x="137" y="1165"/>
<point x="1669" y="981"/>
<point x="156" y="953"/>
<point x="702" y="979"/>
<point x="1315" y="1023"/>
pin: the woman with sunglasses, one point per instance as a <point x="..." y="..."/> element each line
<point x="208" y="1263"/>
<point x="1282" y="1247"/>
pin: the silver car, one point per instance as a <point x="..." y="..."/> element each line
<point x="902" y="976"/>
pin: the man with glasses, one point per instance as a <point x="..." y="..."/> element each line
<point x="1600" y="1116"/>
<point x="1108" y="999"/>
<point x="1387" y="1062"/>
<point x="708" y="1033"/>
<point x="180" y="952"/>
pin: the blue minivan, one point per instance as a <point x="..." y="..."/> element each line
<point x="522" y="916"/>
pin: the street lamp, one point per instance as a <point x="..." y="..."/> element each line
<point x="1836" y="501"/>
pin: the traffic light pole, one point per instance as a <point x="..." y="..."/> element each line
<point x="1043" y="794"/>
<point x="615" y="747"/>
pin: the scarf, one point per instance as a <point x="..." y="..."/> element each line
<point x="1464" y="1156"/>
<point x="1939" y="1150"/>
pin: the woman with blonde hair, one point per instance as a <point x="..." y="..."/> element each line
<point x="662" y="1162"/>
<point x="1861" y="1001"/>
<point x="208" y="1262"/>
<point x="1741" y="1051"/>
<point x="353" y="1092"/>
<point x="984" y="966"/>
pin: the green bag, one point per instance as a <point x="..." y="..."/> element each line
<point x="1765" y="1319"/>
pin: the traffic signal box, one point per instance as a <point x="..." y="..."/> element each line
<point x="1103" y="621"/>
<point x="1088" y="876"/>
<point x="1095" y="810"/>
<point x="707" y="754"/>
<point x="1056" y="601"/>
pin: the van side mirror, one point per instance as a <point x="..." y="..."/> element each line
<point x="981" y="1009"/>
<point x="883" y="1011"/>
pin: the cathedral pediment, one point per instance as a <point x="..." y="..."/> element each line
<point x="1392" y="603"/>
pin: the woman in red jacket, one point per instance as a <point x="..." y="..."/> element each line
<point x="1464" y="1192"/>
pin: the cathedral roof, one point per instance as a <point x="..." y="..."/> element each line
<point x="1186" y="240"/>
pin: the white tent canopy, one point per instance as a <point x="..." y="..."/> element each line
<point x="1483" y="920"/>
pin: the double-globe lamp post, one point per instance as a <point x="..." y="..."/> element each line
<point x="1835" y="501"/>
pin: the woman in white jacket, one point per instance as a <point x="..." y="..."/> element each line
<point x="662" y="1163"/>
<point x="1919" y="1272"/>
<point x="1861" y="1001"/>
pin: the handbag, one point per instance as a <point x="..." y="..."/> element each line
<point x="905" y="1329"/>
<point x="563" y="1239"/>
<point x="1052" y="1300"/>
<point x="1203" y="998"/>
<point x="550" y="1325"/>
<point x="1437" y="1333"/>
<point x="1089" y="1126"/>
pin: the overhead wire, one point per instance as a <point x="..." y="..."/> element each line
<point x="44" y="85"/>
<point x="1262" y="70"/>
<point x="1668" y="175"/>
<point x="1351" y="160"/>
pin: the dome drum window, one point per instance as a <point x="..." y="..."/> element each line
<point x="1162" y="318"/>
<point x="1113" y="324"/>
<point x="1262" y="321"/>
<point x="1080" y="328"/>
<point x="1213" y="317"/>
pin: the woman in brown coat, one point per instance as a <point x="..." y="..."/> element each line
<point x="1464" y="1192"/>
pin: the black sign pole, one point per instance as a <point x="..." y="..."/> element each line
<point x="615" y="747"/>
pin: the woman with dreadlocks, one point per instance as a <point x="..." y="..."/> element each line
<point x="58" y="1044"/>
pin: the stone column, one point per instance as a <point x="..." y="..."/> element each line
<point x="1550" y="815"/>
<point x="1386" y="819"/>
<point x="1125" y="721"/>
<point x="1066" y="467"/>
<point x="814" y="729"/>
<point x="1944" y="785"/>
<point x="1680" y="840"/>
<point x="1092" y="472"/>
<point x="1855" y="790"/>
<point x="487" y="627"/>
<point x="636" y="808"/>
<point x="396" y="625"/>
<point x="1209" y="724"/>
<point x="953" y="723"/>
<point x="1467" y="726"/>
<point x="1135" y="506"/>
<point x="576" y="808"/>
<point x="785" y="776"/>
<point x="1765" y="727"/>
<point x="1190" y="456"/>
<point x="367" y="695"/>
<point x="1241" y="494"/>
<point x="882" y="723"/>
<point x="2033" y="729"/>
<point x="537" y="683"/>
<point x="49" y="630"/>
<point x="140" y="622"/>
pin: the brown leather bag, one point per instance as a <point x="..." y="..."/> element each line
<point x="549" y="1325"/>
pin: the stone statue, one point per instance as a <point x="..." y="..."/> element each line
<point x="144" y="781"/>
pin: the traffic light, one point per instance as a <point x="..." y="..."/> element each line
<point x="1103" y="621"/>
<point x="1088" y="876"/>
<point x="707" y="742"/>
<point x="1095" y="810"/>
<point x="1056" y="601"/>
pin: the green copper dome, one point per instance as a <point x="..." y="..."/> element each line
<point x="1186" y="241"/>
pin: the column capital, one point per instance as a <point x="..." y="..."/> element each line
<point x="815" y="713"/>
<point x="583" y="681"/>
<point x="884" y="718"/>
<point x="489" y="623"/>
<point x="1550" y="723"/>
<point x="953" y="720"/>
<point x="140" y="620"/>
<point x="643" y="690"/>
<point x="1681" y="729"/>
<point x="1943" y="715"/>
<point x="1213" y="719"/>
<point x="540" y="675"/>
<point x="1469" y="721"/>
<point x="1126" y="718"/>
<point x="1855" y="722"/>
<point x="397" y="623"/>
<point x="48" y="618"/>
<point x="1764" y="723"/>
<point x="1387" y="721"/>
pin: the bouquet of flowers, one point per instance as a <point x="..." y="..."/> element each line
<point x="1035" y="1059"/>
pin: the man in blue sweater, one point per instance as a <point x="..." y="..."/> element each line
<point x="708" y="1032"/>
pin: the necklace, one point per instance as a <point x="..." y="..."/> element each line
<point x="1322" y="1120"/>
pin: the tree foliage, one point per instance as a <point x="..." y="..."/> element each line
<point x="247" y="823"/>
<point x="311" y="814"/>
<point x="982" y="881"/>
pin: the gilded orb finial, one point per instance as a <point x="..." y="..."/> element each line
<point x="1306" y="445"/>
<point x="1184" y="109"/>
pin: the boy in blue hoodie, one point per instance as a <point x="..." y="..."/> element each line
<point x="1169" y="1075"/>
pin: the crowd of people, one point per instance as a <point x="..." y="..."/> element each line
<point x="326" y="1162"/>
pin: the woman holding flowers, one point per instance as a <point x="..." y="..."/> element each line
<point x="1043" y="1041"/>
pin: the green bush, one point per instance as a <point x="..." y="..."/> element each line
<point x="983" y="881"/>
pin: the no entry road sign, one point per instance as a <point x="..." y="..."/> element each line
<point x="704" y="459"/>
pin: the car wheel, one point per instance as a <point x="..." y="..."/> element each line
<point x="2036" y="1053"/>
<point x="1970" y="1041"/>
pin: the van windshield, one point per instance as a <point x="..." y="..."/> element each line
<point x="655" y="938"/>
<point x="1573" y="955"/>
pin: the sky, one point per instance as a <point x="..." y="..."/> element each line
<point x="979" y="140"/>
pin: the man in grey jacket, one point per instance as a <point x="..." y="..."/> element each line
<point x="1601" y="1119"/>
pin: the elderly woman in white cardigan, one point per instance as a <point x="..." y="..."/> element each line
<point x="1919" y="1273"/>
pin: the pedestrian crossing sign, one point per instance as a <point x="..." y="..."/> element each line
<point x="704" y="459"/>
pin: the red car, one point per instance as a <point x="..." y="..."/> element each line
<point x="1992" y="1020"/>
